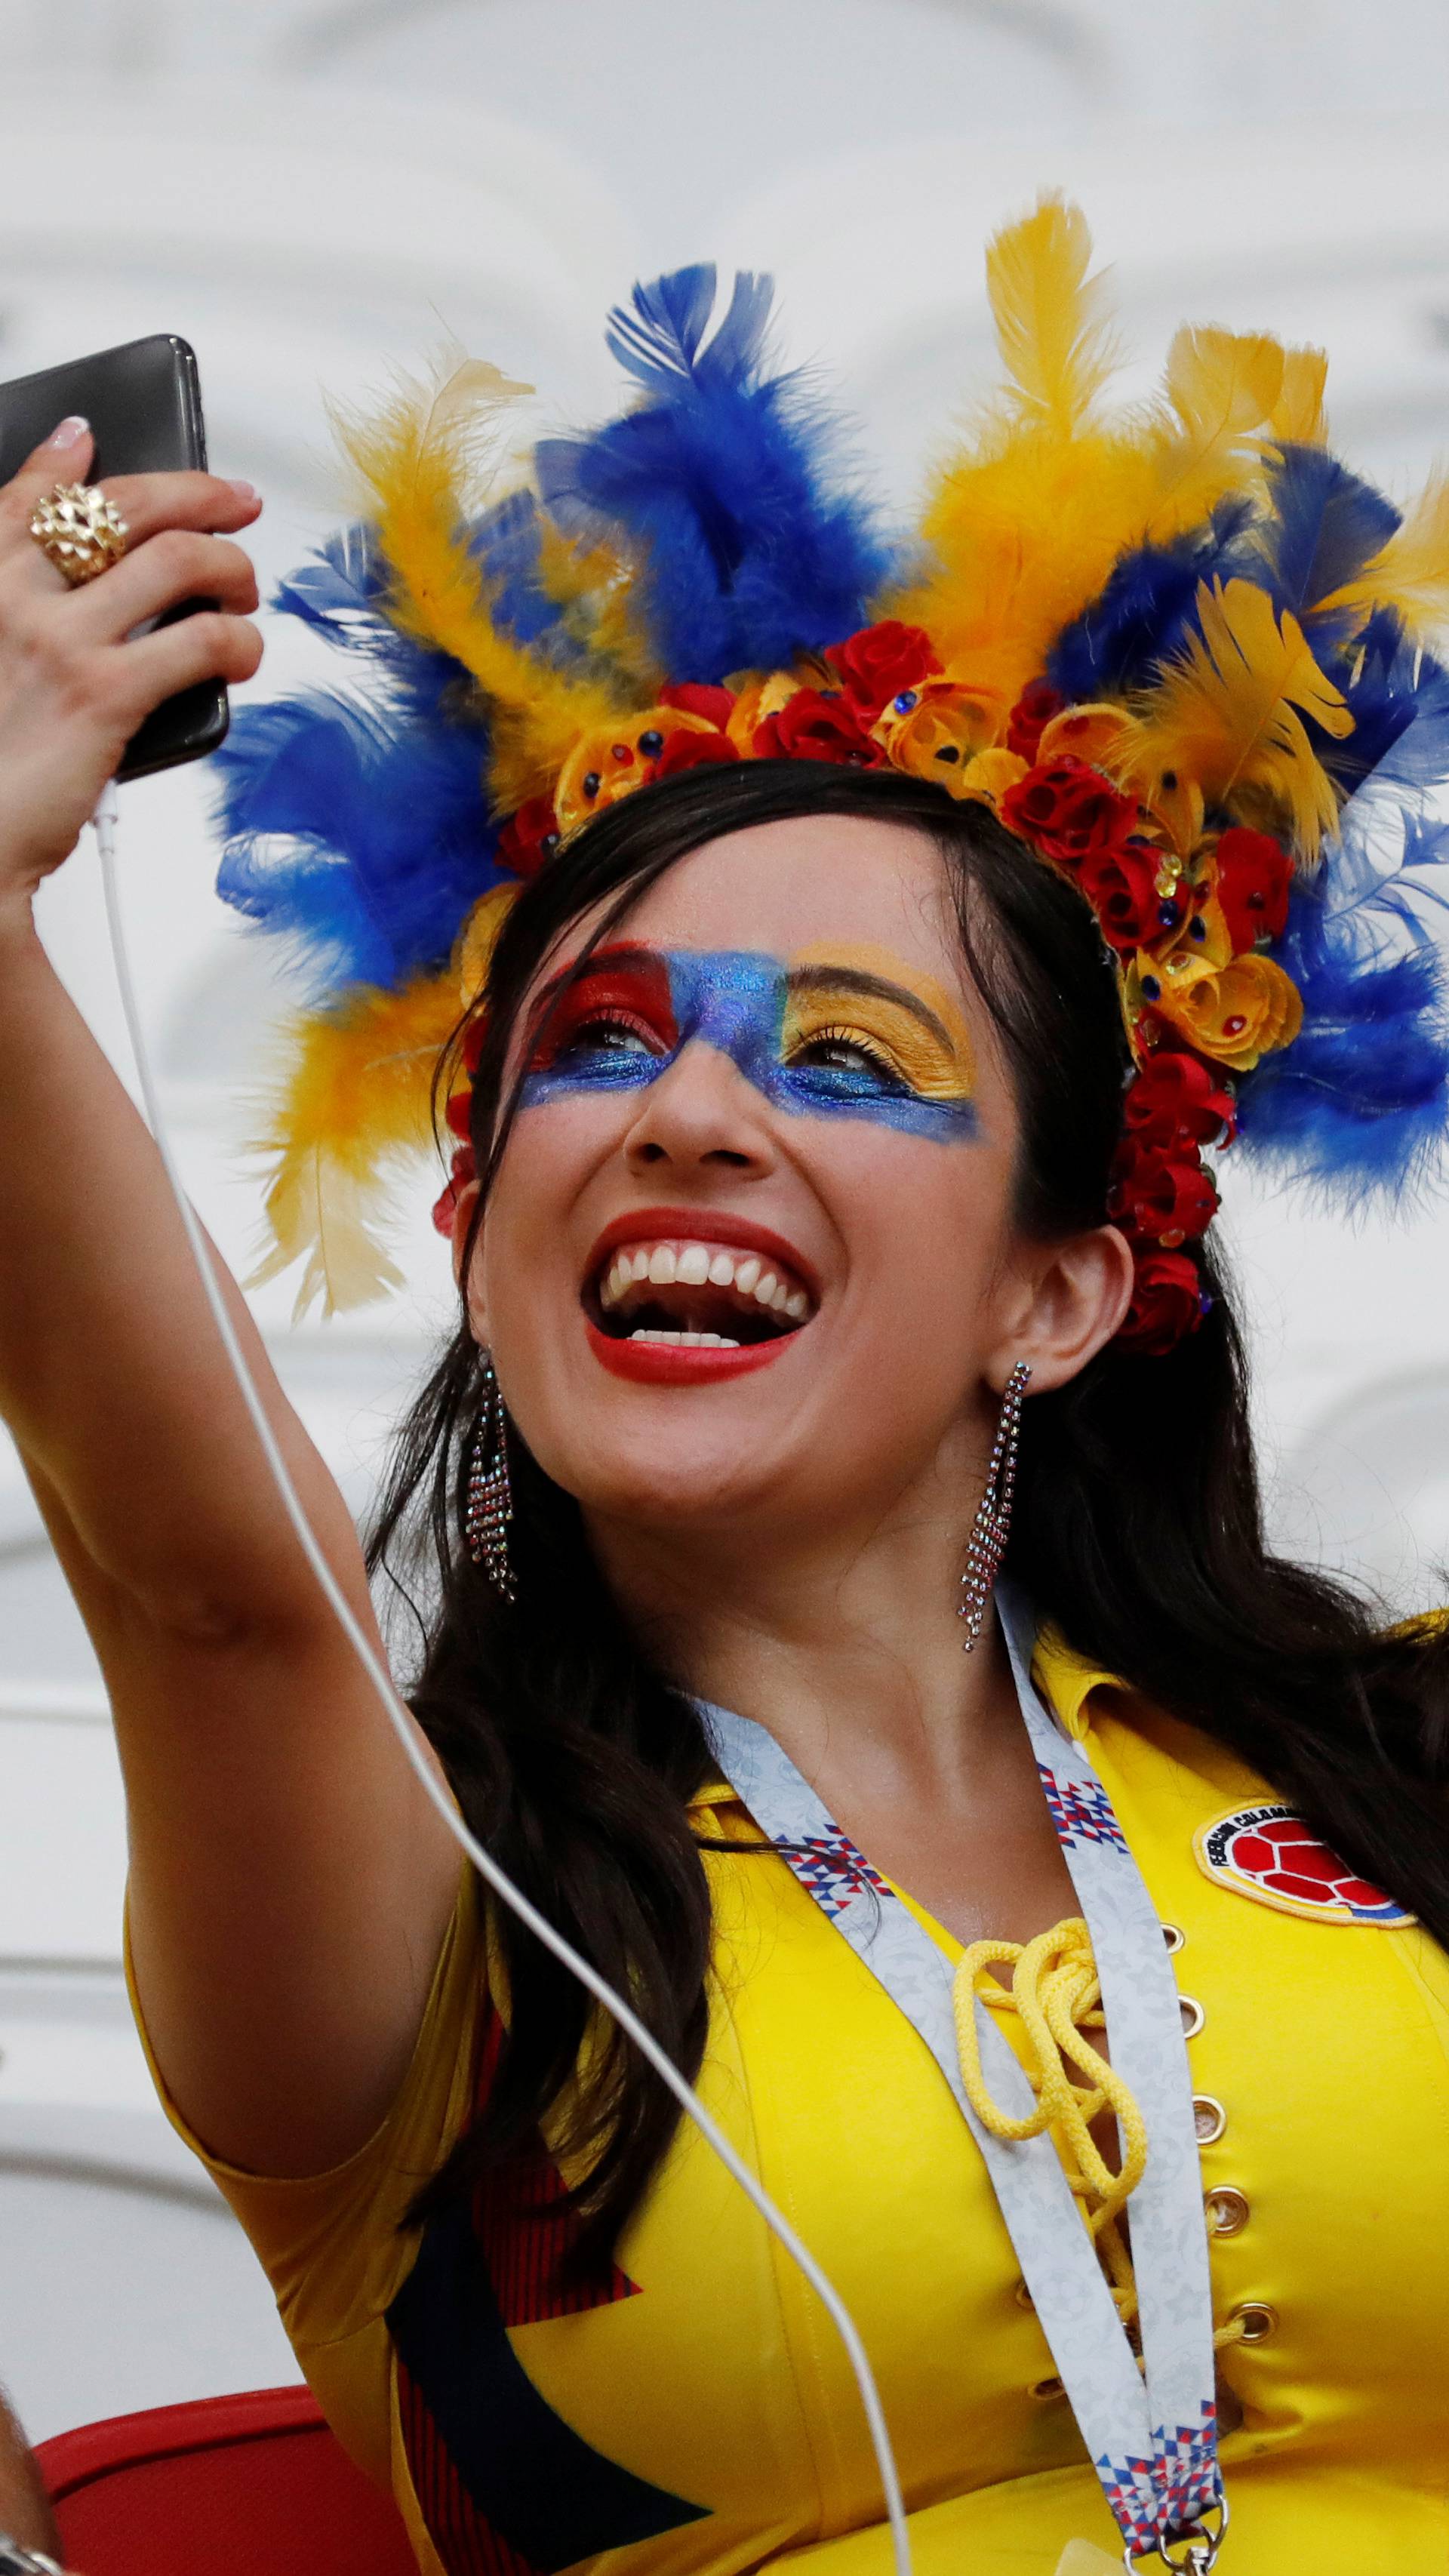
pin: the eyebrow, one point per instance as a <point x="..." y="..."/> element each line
<point x="875" y="988"/>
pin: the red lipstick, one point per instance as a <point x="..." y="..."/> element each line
<point x="677" y="1363"/>
<point x="701" y="1225"/>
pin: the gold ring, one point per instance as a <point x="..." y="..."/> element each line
<point x="80" y="530"/>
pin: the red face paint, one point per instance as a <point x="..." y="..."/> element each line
<point x="624" y="989"/>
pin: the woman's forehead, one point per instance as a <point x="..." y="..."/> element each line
<point x="804" y="891"/>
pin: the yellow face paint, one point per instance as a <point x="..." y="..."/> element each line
<point x="857" y="996"/>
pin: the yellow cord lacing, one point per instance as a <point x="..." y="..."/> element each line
<point x="1056" y="1992"/>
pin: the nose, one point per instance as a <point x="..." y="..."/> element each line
<point x="701" y="1115"/>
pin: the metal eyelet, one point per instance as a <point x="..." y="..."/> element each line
<point x="1209" y="2119"/>
<point x="1228" y="2211"/>
<point x="1193" y="2015"/>
<point x="1046" y="2389"/>
<point x="1257" y="2320"/>
<point x="1175" y="1938"/>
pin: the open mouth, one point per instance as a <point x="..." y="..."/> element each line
<point x="694" y="1294"/>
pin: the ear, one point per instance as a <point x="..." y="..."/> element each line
<point x="472" y="1287"/>
<point x="1067" y="1304"/>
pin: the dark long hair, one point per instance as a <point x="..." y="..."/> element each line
<point x="1138" y="1531"/>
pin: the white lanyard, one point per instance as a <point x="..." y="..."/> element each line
<point x="1151" y="2434"/>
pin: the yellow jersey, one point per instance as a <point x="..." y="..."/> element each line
<point x="693" y="2413"/>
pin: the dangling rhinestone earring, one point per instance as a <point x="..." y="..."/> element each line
<point x="993" y="1518"/>
<point x="490" y="1495"/>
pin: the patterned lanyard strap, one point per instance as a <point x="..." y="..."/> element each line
<point x="1151" y="2432"/>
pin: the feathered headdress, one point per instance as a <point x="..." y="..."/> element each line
<point x="1182" y="653"/>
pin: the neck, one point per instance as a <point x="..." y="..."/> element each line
<point x="845" y="1645"/>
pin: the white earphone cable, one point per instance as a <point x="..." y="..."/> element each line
<point x="402" y="1723"/>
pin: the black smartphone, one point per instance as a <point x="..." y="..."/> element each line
<point x="143" y="402"/>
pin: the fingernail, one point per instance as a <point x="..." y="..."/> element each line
<point x="74" y="426"/>
<point x="246" y="491"/>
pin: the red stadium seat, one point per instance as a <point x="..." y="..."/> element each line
<point x="253" y="2485"/>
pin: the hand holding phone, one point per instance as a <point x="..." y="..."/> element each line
<point x="84" y="672"/>
<point x="143" y="405"/>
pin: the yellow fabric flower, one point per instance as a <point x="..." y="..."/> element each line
<point x="1103" y="735"/>
<point x="610" y="761"/>
<point x="940" y="733"/>
<point x="758" y="699"/>
<point x="987" y="778"/>
<point x="1233" y="1013"/>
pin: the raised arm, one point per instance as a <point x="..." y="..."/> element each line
<point x="289" y="1882"/>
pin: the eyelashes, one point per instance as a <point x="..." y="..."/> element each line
<point x="623" y="1013"/>
<point x="604" y="1033"/>
<point x="847" y="1057"/>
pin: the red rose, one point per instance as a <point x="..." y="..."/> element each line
<point x="529" y="837"/>
<point x="698" y="698"/>
<point x="445" y="1208"/>
<point x="1254" y="874"/>
<point x="1069" y="812"/>
<point x="1173" y="1099"/>
<point x="1167" y="1304"/>
<point x="879" y="661"/>
<point x="814" y="726"/>
<point x="1031" y="715"/>
<point x="691" y="751"/>
<point x="473" y="1037"/>
<point x="1161" y="1198"/>
<point x="459" y="1113"/>
<point x="1121" y="887"/>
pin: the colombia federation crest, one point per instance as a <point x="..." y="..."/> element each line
<point x="1272" y="1855"/>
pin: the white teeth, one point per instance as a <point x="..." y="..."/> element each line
<point x="689" y="1341"/>
<point x="693" y="1265"/>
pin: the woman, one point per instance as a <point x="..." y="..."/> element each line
<point x="833" y="1114"/>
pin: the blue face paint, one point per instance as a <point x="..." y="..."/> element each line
<point x="817" y="1041"/>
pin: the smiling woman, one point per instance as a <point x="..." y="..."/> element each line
<point x="831" y="999"/>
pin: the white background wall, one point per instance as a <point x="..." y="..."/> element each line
<point x="314" y="191"/>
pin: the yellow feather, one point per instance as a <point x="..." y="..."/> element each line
<point x="1023" y="532"/>
<point x="357" y="1096"/>
<point x="1297" y="415"/>
<point x="1410" y="573"/>
<point x="1222" y="388"/>
<point x="1228" y="713"/>
<point x="422" y="457"/>
<point x="1055" y="341"/>
<point x="1027" y="520"/>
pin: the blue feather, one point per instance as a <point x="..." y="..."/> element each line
<point x="723" y="485"/>
<point x="388" y="839"/>
<point x="507" y="544"/>
<point x="1374" y="669"/>
<point x="1143" y="612"/>
<point x="1418" y="687"/>
<point x="1360" y="1102"/>
<point x="1321" y="526"/>
<point x="341" y="593"/>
